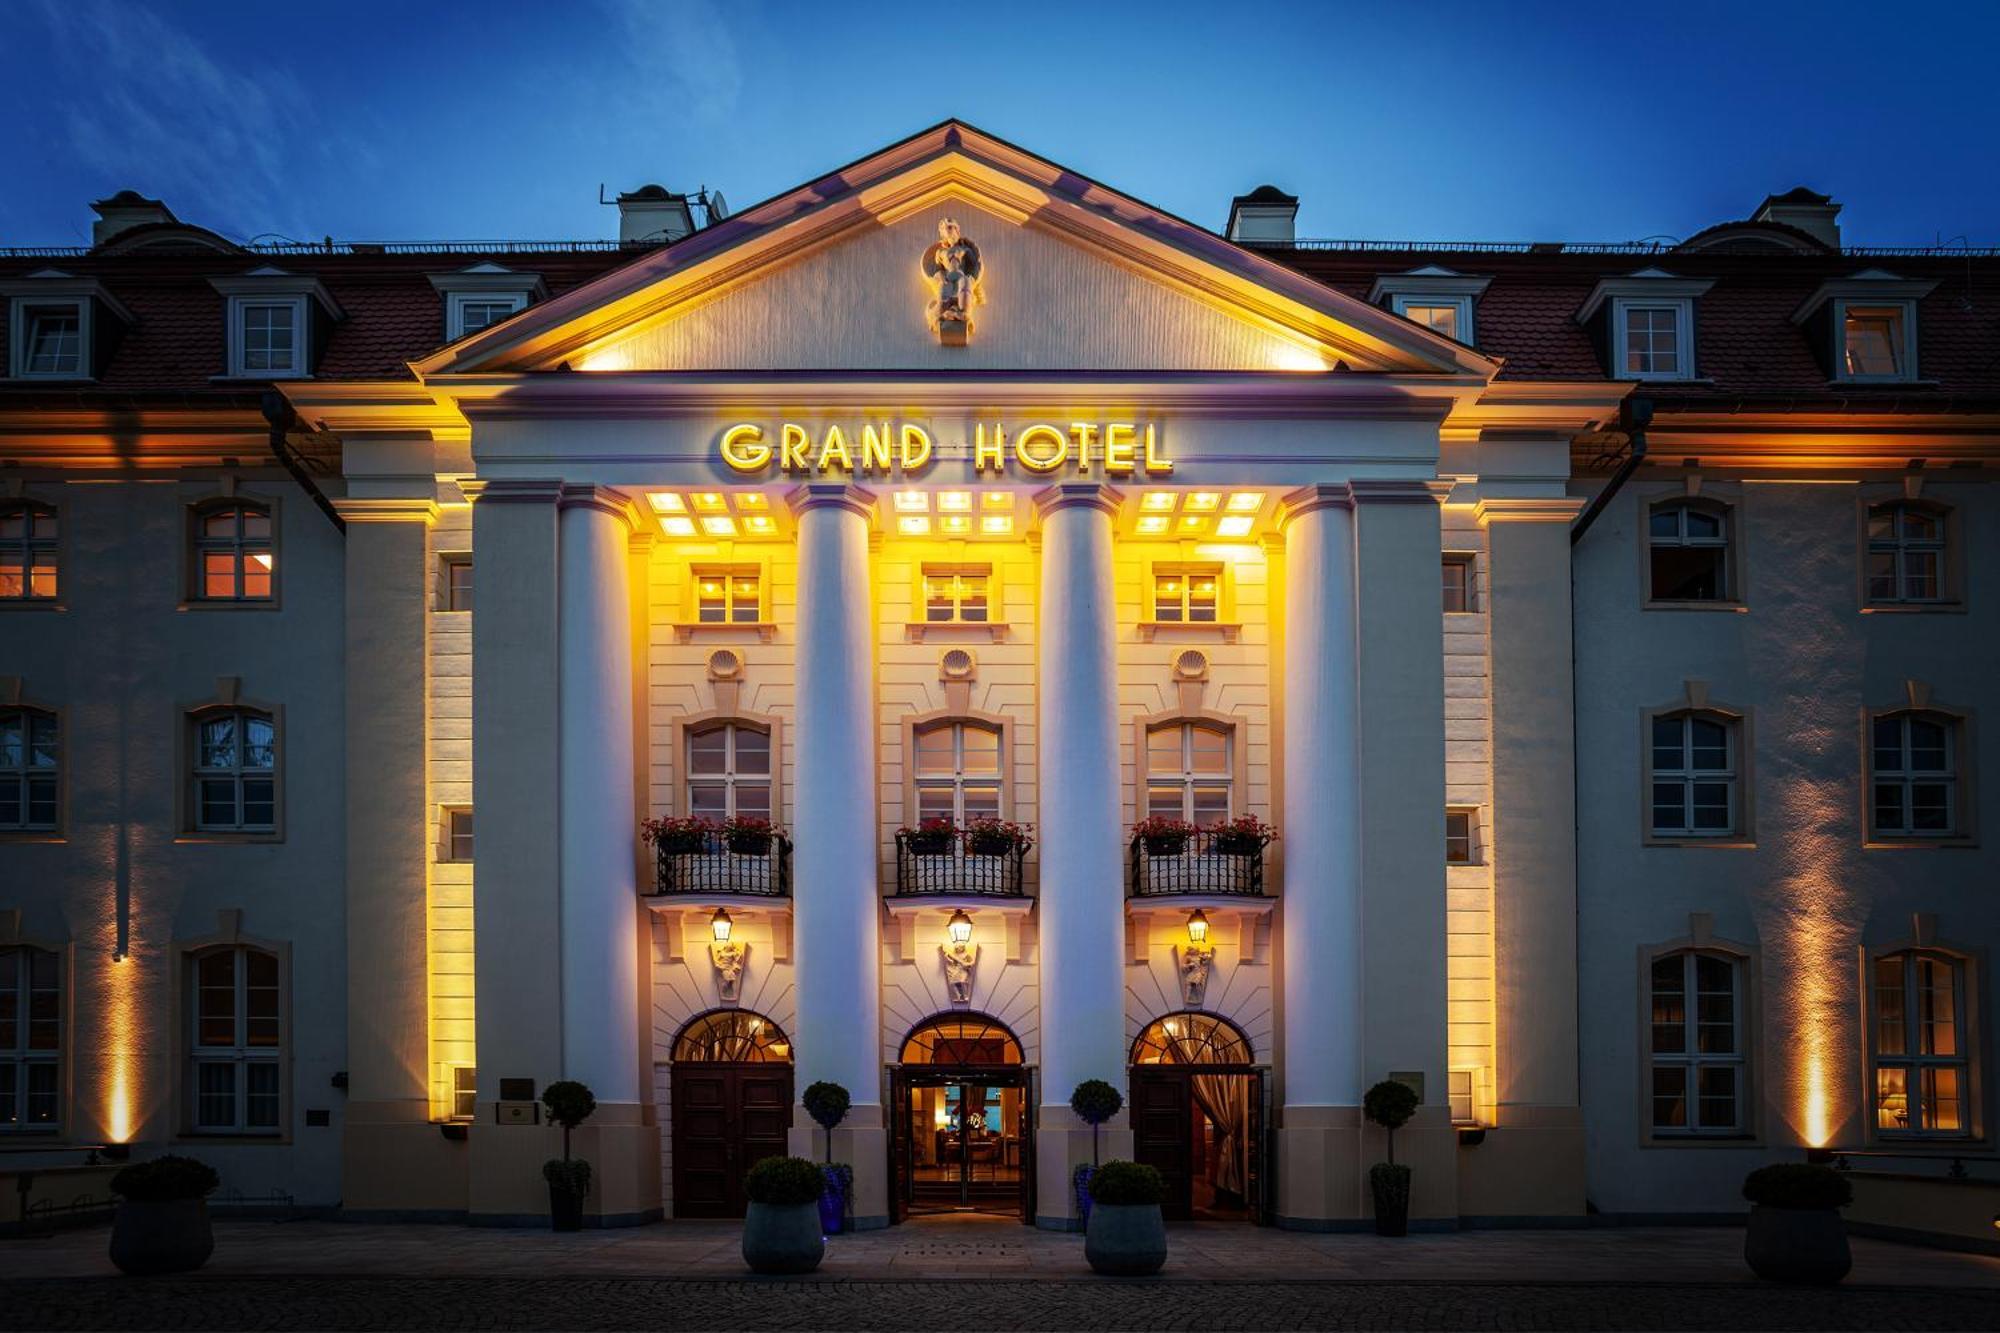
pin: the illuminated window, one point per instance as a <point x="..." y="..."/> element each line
<point x="1693" y="775"/>
<point x="732" y="596"/>
<point x="1922" y="1075"/>
<point x="1462" y="1091"/>
<point x="1873" y="342"/>
<point x="235" y="779"/>
<point x="54" y="340"/>
<point x="28" y="551"/>
<point x="1439" y="300"/>
<point x="467" y="313"/>
<point x="30" y="1040"/>
<point x="1906" y="552"/>
<point x="729" y="771"/>
<point x="1688" y="552"/>
<point x="455" y="583"/>
<point x="957" y="771"/>
<point x="234" y="560"/>
<point x="1438" y="316"/>
<point x="1457" y="583"/>
<point x="464" y="1091"/>
<point x="455" y="833"/>
<point x="1461" y="836"/>
<point x="1697" y="1071"/>
<point x="30" y="754"/>
<point x="1190" y="771"/>
<point x="235" y="1042"/>
<point x="1189" y="596"/>
<point x="1913" y="776"/>
<point x="956" y="596"/>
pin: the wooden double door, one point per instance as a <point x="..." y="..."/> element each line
<point x="725" y="1117"/>
<point x="1209" y="1143"/>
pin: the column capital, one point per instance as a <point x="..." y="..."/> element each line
<point x="512" y="490"/>
<point x="1077" y="494"/>
<point x="605" y="499"/>
<point x="1399" y="490"/>
<point x="1319" y="495"/>
<point x="383" y="510"/>
<point x="1535" y="509"/>
<point x="831" y="495"/>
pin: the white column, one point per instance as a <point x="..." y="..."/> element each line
<point x="599" y="912"/>
<point x="1322" y="883"/>
<point x="836" y="904"/>
<point x="1081" y="832"/>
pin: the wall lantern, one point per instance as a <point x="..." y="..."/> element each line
<point x="959" y="927"/>
<point x="1195" y="959"/>
<point x="960" y="956"/>
<point x="1197" y="927"/>
<point x="720" y="925"/>
<point x="728" y="956"/>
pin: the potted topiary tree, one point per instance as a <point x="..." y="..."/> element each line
<point x="827" y="1104"/>
<point x="162" y="1221"/>
<point x="781" y="1229"/>
<point x="1126" y="1236"/>
<point x="1390" y="1104"/>
<point x="1094" y="1102"/>
<point x="569" y="1104"/>
<point x="1796" y="1233"/>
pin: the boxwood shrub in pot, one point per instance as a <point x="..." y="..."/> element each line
<point x="781" y="1229"/>
<point x="161" y="1225"/>
<point x="1390" y="1104"/>
<point x="569" y="1104"/>
<point x="1796" y="1232"/>
<point x="1126" y="1236"/>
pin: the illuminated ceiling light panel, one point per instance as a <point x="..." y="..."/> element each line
<point x="1158" y="502"/>
<point x="997" y="499"/>
<point x="761" y="524"/>
<point x="956" y="523"/>
<point x="1202" y="502"/>
<point x="752" y="501"/>
<point x="997" y="525"/>
<point x="914" y="525"/>
<point x="678" y="527"/>
<point x="1152" y="524"/>
<point x="1234" y="525"/>
<point x="1193" y="522"/>
<point x="710" y="502"/>
<point x="719" y="525"/>
<point x="913" y="502"/>
<point x="1245" y="502"/>
<point x="954" y="502"/>
<point x="666" y="502"/>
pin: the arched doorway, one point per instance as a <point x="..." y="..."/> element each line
<point x="731" y="1080"/>
<point x="964" y="1134"/>
<point x="1198" y="1115"/>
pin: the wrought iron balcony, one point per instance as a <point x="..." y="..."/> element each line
<point x="928" y="864"/>
<point x="712" y="868"/>
<point x="1204" y="861"/>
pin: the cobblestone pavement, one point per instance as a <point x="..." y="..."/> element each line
<point x="612" y="1303"/>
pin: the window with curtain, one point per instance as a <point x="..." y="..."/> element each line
<point x="1906" y="552"/>
<point x="28" y="551"/>
<point x="729" y="771"/>
<point x="1190" y="771"/>
<point x="235" y="771"/>
<point x="30" y="1040"/>
<point x="233" y="555"/>
<point x="1696" y="1054"/>
<point x="957" y="768"/>
<point x="235" y="1042"/>
<point x="30" y="760"/>
<point x="1922" y="1072"/>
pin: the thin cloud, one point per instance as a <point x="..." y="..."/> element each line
<point x="684" y="56"/>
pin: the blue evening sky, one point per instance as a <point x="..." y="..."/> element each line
<point x="429" y="119"/>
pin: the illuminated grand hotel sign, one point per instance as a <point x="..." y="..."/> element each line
<point x="885" y="447"/>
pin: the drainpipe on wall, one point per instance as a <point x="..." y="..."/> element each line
<point x="1634" y="415"/>
<point x="284" y="418"/>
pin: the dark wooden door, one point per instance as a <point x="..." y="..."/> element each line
<point x="1163" y="1133"/>
<point x="725" y="1118"/>
<point x="901" y="1146"/>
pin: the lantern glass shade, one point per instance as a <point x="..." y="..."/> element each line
<point x="1197" y="927"/>
<point x="959" y="927"/>
<point x="719" y="925"/>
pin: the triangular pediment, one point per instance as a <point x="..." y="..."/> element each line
<point x="1074" y="278"/>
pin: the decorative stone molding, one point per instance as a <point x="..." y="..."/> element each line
<point x="1542" y="509"/>
<point x="728" y="956"/>
<point x="959" y="962"/>
<point x="1195" y="962"/>
<point x="830" y="495"/>
<point x="1075" y="494"/>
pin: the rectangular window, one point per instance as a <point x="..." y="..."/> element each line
<point x="728" y="596"/>
<point x="54" y="340"/>
<point x="464" y="1091"/>
<point x="1461" y="837"/>
<point x="30" y="1039"/>
<point x="457" y="580"/>
<point x="474" y="315"/>
<point x="30" y="753"/>
<point x="956" y="596"/>
<point x="1696" y="1046"/>
<point x="1913" y="775"/>
<point x="29" y="551"/>
<point x="270" y="337"/>
<point x="1186" y="596"/>
<point x="1872" y="344"/>
<point x="1693" y="776"/>
<point x="1687" y="552"/>
<point x="235" y="772"/>
<point x="1922" y="1073"/>
<point x="1438" y="318"/>
<point x="1463" y="1092"/>
<point x="1906" y="552"/>
<point x="457" y="831"/>
<point x="237" y="1029"/>
<point x="1457" y="584"/>
<point x="1450" y="316"/>
<point x="1652" y="336"/>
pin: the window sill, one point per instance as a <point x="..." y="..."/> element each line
<point x="1720" y="604"/>
<point x="204" y="838"/>
<point x="1957" y="841"/>
<point x="1730" y="843"/>
<point x="1212" y="631"/>
<point x="1701" y="1141"/>
<point x="992" y="631"/>
<point x="33" y="604"/>
<point x="269" y="377"/>
<point x="228" y="604"/>
<point x="763" y="631"/>
<point x="1912" y="608"/>
<point x="1880" y="382"/>
<point x="32" y="835"/>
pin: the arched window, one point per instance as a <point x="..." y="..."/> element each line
<point x="1922" y="1074"/>
<point x="1696" y="1053"/>
<point x="1688" y="552"/>
<point x="957" y="771"/>
<point x="1191" y="1038"/>
<point x="28" y="551"/>
<point x="30" y="755"/>
<point x="1694" y="775"/>
<point x="235" y="782"/>
<point x="1913" y="782"/>
<point x="961" y="1039"/>
<point x="234" y="560"/>
<point x="732" y="1036"/>
<point x="30" y="1039"/>
<point x="1190" y="771"/>
<point x="729" y="771"/>
<point x="236" y="1041"/>
<point x="1906" y="552"/>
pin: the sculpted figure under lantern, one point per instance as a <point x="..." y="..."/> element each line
<point x="952" y="268"/>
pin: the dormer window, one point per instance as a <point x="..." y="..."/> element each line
<point x="1864" y="329"/>
<point x="1872" y="341"/>
<point x="54" y="338"/>
<point x="483" y="295"/>
<point x="278" y="323"/>
<point x="1446" y="317"/>
<point x="59" y="327"/>
<point x="1643" y="324"/>
<point x="1438" y="298"/>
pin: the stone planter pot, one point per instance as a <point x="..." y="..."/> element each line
<point x="565" y="1210"/>
<point x="782" y="1238"/>
<point x="150" y="1237"/>
<point x="1805" y="1245"/>
<point x="1391" y="1188"/>
<point x="1126" y="1239"/>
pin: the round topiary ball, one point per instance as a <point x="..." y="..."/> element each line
<point x="1390" y="1104"/>
<point x="1095" y="1102"/>
<point x="570" y="1103"/>
<point x="826" y="1103"/>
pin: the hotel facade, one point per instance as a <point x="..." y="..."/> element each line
<point x="906" y="609"/>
